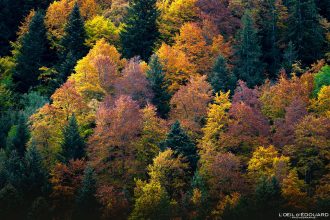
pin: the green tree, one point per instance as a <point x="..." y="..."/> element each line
<point x="140" y="30"/>
<point x="10" y="203"/>
<point x="32" y="55"/>
<point x="220" y="78"/>
<point x="73" y="145"/>
<point x="18" y="136"/>
<point x="322" y="78"/>
<point x="86" y="203"/>
<point x="249" y="67"/>
<point x="159" y="86"/>
<point x="305" y="31"/>
<point x="152" y="201"/>
<point x="72" y="43"/>
<point x="179" y="141"/>
<point x="289" y="57"/>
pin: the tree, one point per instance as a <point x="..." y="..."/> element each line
<point x="39" y="209"/>
<point x="35" y="174"/>
<point x="322" y="78"/>
<point x="18" y="136"/>
<point x="72" y="43"/>
<point x="181" y="144"/>
<point x="322" y="104"/>
<point x="159" y="86"/>
<point x="140" y="31"/>
<point x="305" y="31"/>
<point x="249" y="67"/>
<point x="221" y="78"/>
<point x="151" y="201"/>
<point x="73" y="145"/>
<point x="289" y="57"/>
<point x="86" y="203"/>
<point x="31" y="55"/>
<point x="189" y="104"/>
<point x="10" y="203"/>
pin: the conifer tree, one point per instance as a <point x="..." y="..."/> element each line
<point x="140" y="30"/>
<point x="32" y="55"/>
<point x="72" y="43"/>
<point x="220" y="78"/>
<point x="179" y="141"/>
<point x="35" y="175"/>
<point x="10" y="203"/>
<point x="305" y="30"/>
<point x="159" y="86"/>
<point x="18" y="136"/>
<point x="86" y="203"/>
<point x="73" y="145"/>
<point x="289" y="57"/>
<point x="249" y="67"/>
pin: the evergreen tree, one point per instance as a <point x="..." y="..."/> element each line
<point x="220" y="78"/>
<point x="159" y="86"/>
<point x="305" y="30"/>
<point x="73" y="145"/>
<point x="249" y="67"/>
<point x="178" y="140"/>
<point x="72" y="43"/>
<point x="269" y="33"/>
<point x="289" y="57"/>
<point x="32" y="54"/>
<point x="14" y="170"/>
<point x="86" y="203"/>
<point x="35" y="175"/>
<point x="18" y="136"/>
<point x="140" y="30"/>
<point x="10" y="203"/>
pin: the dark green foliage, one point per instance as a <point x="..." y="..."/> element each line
<point x="14" y="170"/>
<point x="269" y="34"/>
<point x="305" y="31"/>
<point x="36" y="176"/>
<point x="32" y="55"/>
<point x="18" y="136"/>
<point x="73" y="145"/>
<point x="249" y="67"/>
<point x="159" y="86"/>
<point x="72" y="44"/>
<point x="39" y="210"/>
<point x="7" y="120"/>
<point x="178" y="140"/>
<point x="289" y="57"/>
<point x="10" y="203"/>
<point x="140" y="32"/>
<point x="221" y="79"/>
<point x="86" y="203"/>
<point x="268" y="198"/>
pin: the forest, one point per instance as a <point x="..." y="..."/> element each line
<point x="164" y="109"/>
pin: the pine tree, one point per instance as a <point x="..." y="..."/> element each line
<point x="32" y="55"/>
<point x="269" y="33"/>
<point x="249" y="67"/>
<point x="73" y="47"/>
<point x="86" y="203"/>
<point x="159" y="86"/>
<point x="220" y="78"/>
<point x="178" y="140"/>
<point x="35" y="175"/>
<point x="305" y="31"/>
<point x="289" y="57"/>
<point x="140" y="30"/>
<point x="18" y="137"/>
<point x="73" y="145"/>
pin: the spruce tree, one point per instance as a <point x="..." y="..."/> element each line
<point x="140" y="30"/>
<point x="289" y="57"/>
<point x="72" y="43"/>
<point x="31" y="55"/>
<point x="220" y="78"/>
<point x="73" y="145"/>
<point x="269" y="34"/>
<point x="35" y="174"/>
<point x="249" y="67"/>
<point x="305" y="30"/>
<point x="86" y="202"/>
<point x="179" y="141"/>
<point x="159" y="86"/>
<point x="18" y="137"/>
